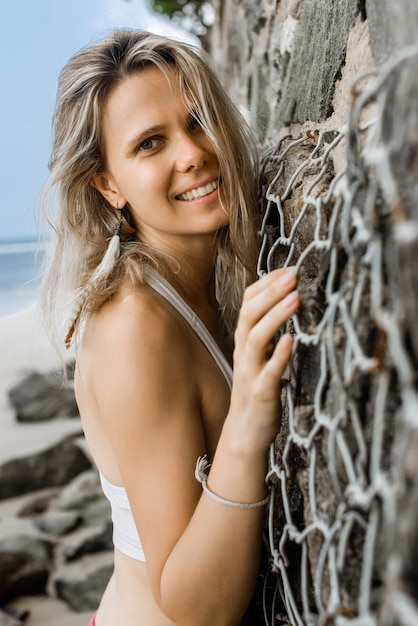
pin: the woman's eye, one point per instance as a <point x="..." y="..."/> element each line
<point x="194" y="123"/>
<point x="149" y="144"/>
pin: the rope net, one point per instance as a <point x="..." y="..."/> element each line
<point x="342" y="530"/>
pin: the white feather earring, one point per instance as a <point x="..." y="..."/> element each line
<point x="101" y="273"/>
<point x="111" y="255"/>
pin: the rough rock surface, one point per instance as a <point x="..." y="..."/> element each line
<point x="41" y="397"/>
<point x="393" y="25"/>
<point x="283" y="60"/>
<point x="316" y="59"/>
<point x="52" y="467"/>
<point x="60" y="541"/>
<point x="25" y="565"/>
<point x="57" y="523"/>
<point x="93" y="539"/>
<point x="83" y="489"/>
<point x="84" y="593"/>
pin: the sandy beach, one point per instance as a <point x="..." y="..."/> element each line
<point x="24" y="348"/>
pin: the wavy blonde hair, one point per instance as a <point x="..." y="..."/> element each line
<point x="83" y="221"/>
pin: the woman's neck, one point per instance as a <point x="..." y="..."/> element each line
<point x="192" y="264"/>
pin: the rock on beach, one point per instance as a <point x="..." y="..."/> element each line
<point x="56" y="551"/>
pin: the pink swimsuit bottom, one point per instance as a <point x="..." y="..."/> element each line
<point x="92" y="622"/>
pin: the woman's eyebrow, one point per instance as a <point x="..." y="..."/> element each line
<point x="133" y="143"/>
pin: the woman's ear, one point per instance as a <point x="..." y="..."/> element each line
<point x="107" y="187"/>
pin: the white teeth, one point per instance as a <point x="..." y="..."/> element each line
<point x="199" y="192"/>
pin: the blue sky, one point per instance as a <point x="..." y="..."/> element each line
<point x="38" y="37"/>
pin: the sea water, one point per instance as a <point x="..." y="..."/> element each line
<point x="20" y="275"/>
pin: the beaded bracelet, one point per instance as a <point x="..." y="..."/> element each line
<point x="201" y="466"/>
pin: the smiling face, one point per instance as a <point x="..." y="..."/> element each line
<point x="159" y="162"/>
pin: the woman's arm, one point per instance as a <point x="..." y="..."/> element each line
<point x="202" y="556"/>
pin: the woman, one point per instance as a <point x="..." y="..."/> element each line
<point x="149" y="148"/>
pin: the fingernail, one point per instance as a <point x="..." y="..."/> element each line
<point x="290" y="300"/>
<point x="288" y="277"/>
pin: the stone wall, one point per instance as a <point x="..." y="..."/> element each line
<point x="338" y="198"/>
<point x="291" y="61"/>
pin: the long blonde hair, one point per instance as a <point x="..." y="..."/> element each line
<point x="83" y="220"/>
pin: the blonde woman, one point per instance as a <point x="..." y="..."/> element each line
<point x="153" y="180"/>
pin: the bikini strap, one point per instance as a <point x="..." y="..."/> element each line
<point x="167" y="291"/>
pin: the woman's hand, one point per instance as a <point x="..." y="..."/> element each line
<point x="259" y="362"/>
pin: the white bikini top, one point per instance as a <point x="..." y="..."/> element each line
<point x="125" y="534"/>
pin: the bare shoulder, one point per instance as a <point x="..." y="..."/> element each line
<point x="140" y="318"/>
<point x="137" y="345"/>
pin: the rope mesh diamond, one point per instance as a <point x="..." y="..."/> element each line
<point x="350" y="398"/>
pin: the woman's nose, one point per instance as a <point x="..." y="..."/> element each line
<point x="190" y="154"/>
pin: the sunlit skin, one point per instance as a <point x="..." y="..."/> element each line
<point x="151" y="397"/>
